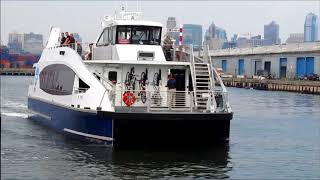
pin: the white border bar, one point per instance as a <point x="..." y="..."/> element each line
<point x="88" y="135"/>
<point x="40" y="114"/>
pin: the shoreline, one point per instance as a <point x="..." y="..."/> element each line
<point x="298" y="86"/>
<point x="17" y="71"/>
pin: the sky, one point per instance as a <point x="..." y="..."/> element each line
<point x="84" y="17"/>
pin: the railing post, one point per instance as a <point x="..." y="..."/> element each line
<point x="148" y="101"/>
<point x="92" y="52"/>
<point x="174" y="53"/>
<point x="191" y="101"/>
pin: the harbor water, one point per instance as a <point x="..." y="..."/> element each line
<point x="274" y="135"/>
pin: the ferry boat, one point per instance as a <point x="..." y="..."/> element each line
<point x="119" y="97"/>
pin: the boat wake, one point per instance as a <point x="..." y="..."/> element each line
<point x="14" y="109"/>
<point x="13" y="114"/>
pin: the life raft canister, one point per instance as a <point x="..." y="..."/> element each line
<point x="129" y="98"/>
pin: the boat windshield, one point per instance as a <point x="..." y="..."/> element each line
<point x="147" y="35"/>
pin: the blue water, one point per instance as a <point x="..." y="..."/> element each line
<point x="274" y="135"/>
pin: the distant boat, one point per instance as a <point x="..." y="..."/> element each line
<point x="116" y="93"/>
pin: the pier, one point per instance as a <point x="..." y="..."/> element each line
<point x="17" y="71"/>
<point x="300" y="86"/>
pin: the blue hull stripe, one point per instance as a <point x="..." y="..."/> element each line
<point x="80" y="123"/>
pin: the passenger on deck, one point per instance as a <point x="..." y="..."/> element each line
<point x="70" y="40"/>
<point x="88" y="54"/>
<point x="171" y="85"/>
<point x="67" y="41"/>
<point x="79" y="48"/>
<point x="62" y="39"/>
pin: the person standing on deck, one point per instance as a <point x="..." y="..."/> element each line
<point x="67" y="41"/>
<point x="62" y="39"/>
<point x="171" y="85"/>
<point x="79" y="48"/>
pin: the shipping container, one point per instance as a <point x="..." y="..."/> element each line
<point x="14" y="65"/>
<point x="13" y="57"/>
<point x="4" y="63"/>
<point x="21" y="58"/>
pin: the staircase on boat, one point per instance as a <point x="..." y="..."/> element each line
<point x="202" y="79"/>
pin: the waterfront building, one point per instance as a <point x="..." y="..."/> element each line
<point x="192" y="34"/>
<point x="295" y="38"/>
<point x="271" y="33"/>
<point x="280" y="61"/>
<point x="15" y="43"/>
<point x="311" y="28"/>
<point x="33" y="43"/>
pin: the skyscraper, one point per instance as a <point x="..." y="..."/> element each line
<point x="215" y="37"/>
<point x="171" y="23"/>
<point x="211" y="31"/>
<point x="221" y="33"/>
<point x="15" y="43"/>
<point x="33" y="43"/>
<point x="192" y="34"/>
<point x="215" y="32"/>
<point x="271" y="33"/>
<point x="311" y="28"/>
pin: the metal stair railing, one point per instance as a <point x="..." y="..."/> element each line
<point x="212" y="77"/>
<point x="193" y="75"/>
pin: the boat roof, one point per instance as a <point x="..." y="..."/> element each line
<point x="160" y="63"/>
<point x="128" y="18"/>
<point x="133" y="23"/>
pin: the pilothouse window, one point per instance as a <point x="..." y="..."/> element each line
<point x="124" y="34"/>
<point x="147" y="35"/>
<point x="104" y="38"/>
<point x="140" y="35"/>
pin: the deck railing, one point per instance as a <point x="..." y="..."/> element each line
<point x="83" y="49"/>
<point x="166" y="101"/>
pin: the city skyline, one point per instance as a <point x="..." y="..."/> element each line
<point x="242" y="17"/>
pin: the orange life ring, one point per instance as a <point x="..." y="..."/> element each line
<point x="129" y="98"/>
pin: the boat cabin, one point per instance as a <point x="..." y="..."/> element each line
<point x="128" y="57"/>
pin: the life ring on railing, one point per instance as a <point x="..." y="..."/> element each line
<point x="129" y="98"/>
